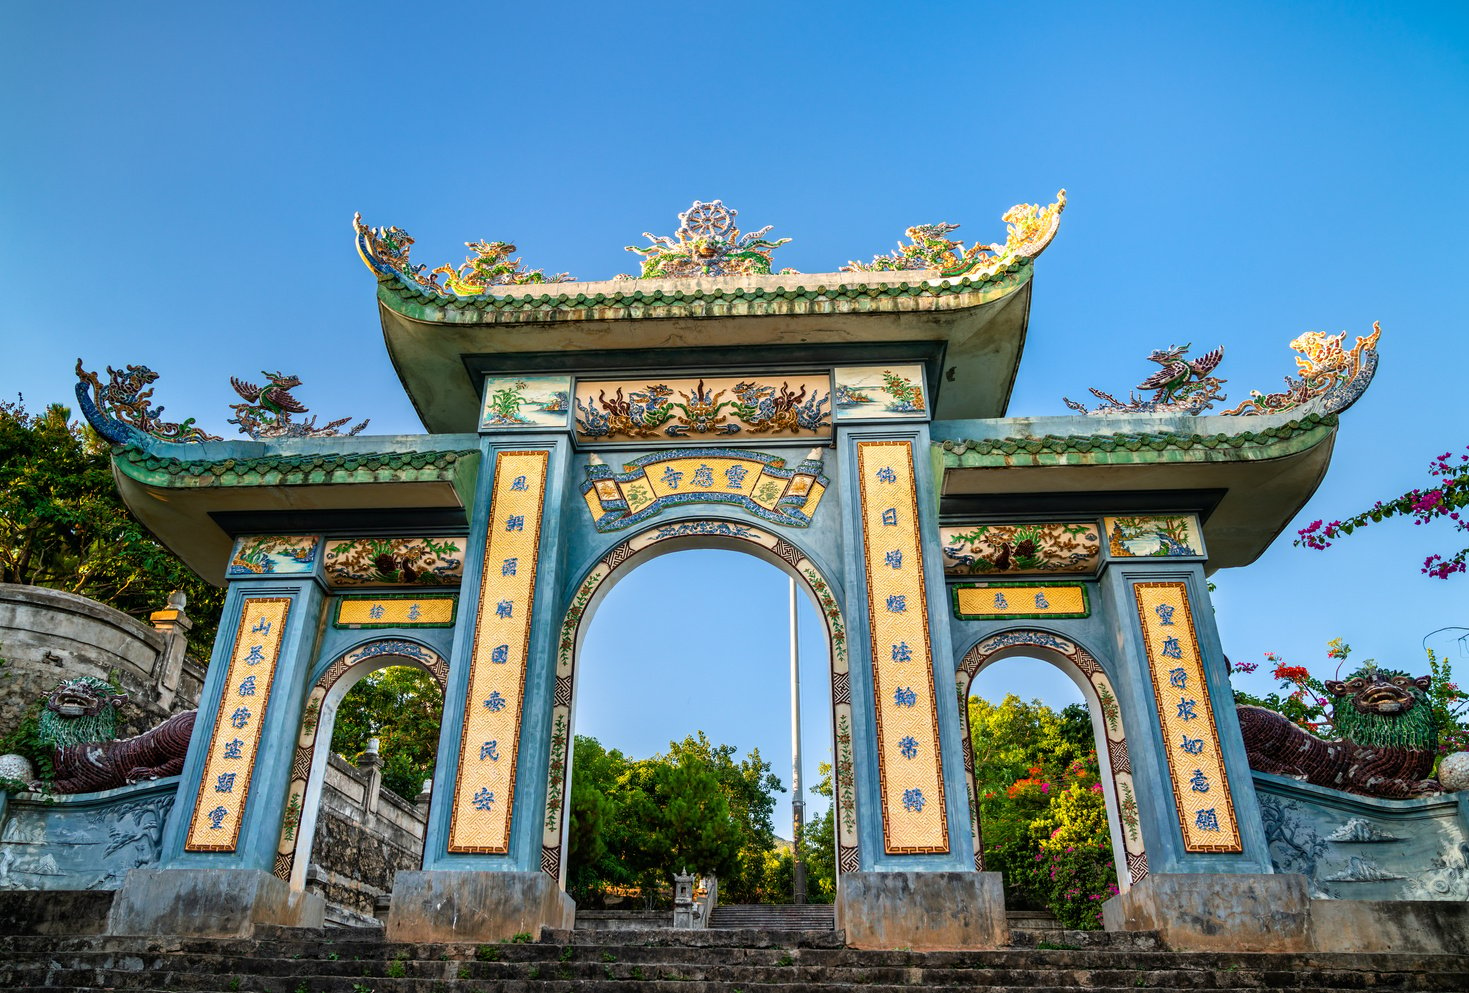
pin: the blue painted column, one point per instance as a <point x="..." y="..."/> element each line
<point x="239" y="759"/>
<point x="1196" y="797"/>
<point x="489" y="783"/>
<point x="912" y="808"/>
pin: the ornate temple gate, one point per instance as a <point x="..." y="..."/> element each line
<point x="850" y="434"/>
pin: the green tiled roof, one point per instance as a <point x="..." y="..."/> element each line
<point x="832" y="293"/>
<point x="1121" y="449"/>
<point x="293" y="470"/>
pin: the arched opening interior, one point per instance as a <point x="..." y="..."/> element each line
<point x="356" y="808"/>
<point x="1050" y="785"/>
<point x="682" y="730"/>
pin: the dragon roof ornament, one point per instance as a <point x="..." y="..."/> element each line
<point x="1330" y="376"/>
<point x="386" y="251"/>
<point x="707" y="243"/>
<point x="1029" y="229"/>
<point x="1331" y="380"/>
<point x="120" y="410"/>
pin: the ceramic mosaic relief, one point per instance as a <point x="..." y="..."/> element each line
<point x="909" y="765"/>
<point x="1020" y="549"/>
<point x="484" y="784"/>
<point x="706" y="408"/>
<point x="525" y="402"/>
<point x="273" y="555"/>
<point x="880" y="393"/>
<point x="365" y="562"/>
<point x="220" y="806"/>
<point x="1190" y="737"/>
<point x="760" y="484"/>
<point x="1160" y="536"/>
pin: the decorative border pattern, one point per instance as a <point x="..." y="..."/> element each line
<point x="238" y="721"/>
<point x="1190" y="738"/>
<point x="1124" y="796"/>
<point x="484" y="779"/>
<point x="1019" y="601"/>
<point x="552" y="838"/>
<point x="910" y="767"/>
<point x="409" y="651"/>
<point x="396" y="610"/>
<point x="753" y="481"/>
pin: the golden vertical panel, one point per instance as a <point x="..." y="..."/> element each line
<point x="220" y="805"/>
<point x="1190" y="738"/>
<point x="910" y="768"/>
<point x="484" y="785"/>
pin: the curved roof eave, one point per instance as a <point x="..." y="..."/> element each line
<point x="1258" y="478"/>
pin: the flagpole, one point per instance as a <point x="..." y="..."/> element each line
<point x="798" y="803"/>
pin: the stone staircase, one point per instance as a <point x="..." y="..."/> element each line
<point x="773" y="917"/>
<point x="283" y="960"/>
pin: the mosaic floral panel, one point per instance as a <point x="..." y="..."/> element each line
<point x="220" y="805"/>
<point x="395" y="611"/>
<point x="273" y="555"/>
<point x="1158" y="536"/>
<point x="1191" y="740"/>
<point x="909" y="765"/>
<point x="848" y="852"/>
<point x="363" y="562"/>
<point x="757" y="483"/>
<point x="704" y="409"/>
<point x="1021" y="549"/>
<point x="992" y="601"/>
<point x="880" y="393"/>
<point x="525" y="402"/>
<point x="484" y="785"/>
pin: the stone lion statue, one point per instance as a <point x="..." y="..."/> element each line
<point x="1388" y="742"/>
<point x="79" y="720"/>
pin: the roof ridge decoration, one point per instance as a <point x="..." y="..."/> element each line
<point x="120" y="410"/>
<point x="707" y="243"/>
<point x="386" y="251"/>
<point x="1331" y="380"/>
<point x="1182" y="386"/>
<point x="1029" y="229"/>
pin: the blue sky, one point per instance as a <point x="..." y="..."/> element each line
<point x="177" y="183"/>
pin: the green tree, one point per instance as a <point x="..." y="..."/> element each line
<point x="63" y="525"/>
<point x="402" y="707"/>
<point x="821" y="843"/>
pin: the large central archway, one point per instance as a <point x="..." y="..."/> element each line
<point x="599" y="580"/>
<point x="1111" y="737"/>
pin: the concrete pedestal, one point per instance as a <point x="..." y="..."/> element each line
<point x="922" y="910"/>
<point x="475" y="906"/>
<point x="214" y="903"/>
<point x="1226" y="911"/>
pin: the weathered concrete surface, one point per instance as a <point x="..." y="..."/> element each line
<point x="51" y="635"/>
<point x="58" y="912"/>
<point x="1419" y="926"/>
<point x="1225" y="911"/>
<point x="922" y="910"/>
<point x="475" y="906"/>
<point x="214" y="903"/>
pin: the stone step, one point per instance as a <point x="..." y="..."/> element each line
<point x="775" y="917"/>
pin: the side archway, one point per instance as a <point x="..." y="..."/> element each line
<point x="600" y="579"/>
<point x="308" y="765"/>
<point x="1111" y="738"/>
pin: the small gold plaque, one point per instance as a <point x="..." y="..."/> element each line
<point x="988" y="601"/>
<point x="395" y="611"/>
